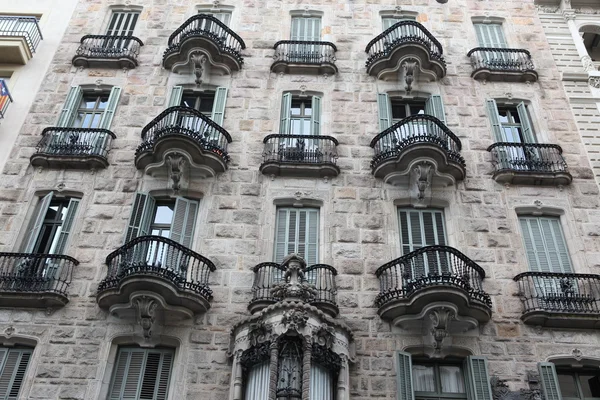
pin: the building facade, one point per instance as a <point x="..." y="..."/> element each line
<point x="283" y="200"/>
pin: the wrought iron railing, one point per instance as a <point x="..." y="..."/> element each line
<point x="269" y="274"/>
<point x="186" y="122"/>
<point x="300" y="149"/>
<point x="560" y="293"/>
<point x="36" y="273"/>
<point x="106" y="46"/>
<point x="527" y="157"/>
<point x="430" y="266"/>
<point x="160" y="257"/>
<point x="5" y="98"/>
<point x="78" y="142"/>
<point x="209" y="27"/>
<point x="403" y="32"/>
<point x="412" y="130"/>
<point x="27" y="27"/>
<point x="305" y="52"/>
<point x="503" y="60"/>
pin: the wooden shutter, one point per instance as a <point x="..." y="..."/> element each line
<point x="12" y="371"/>
<point x="184" y="220"/>
<point x="218" y="111"/>
<point x="490" y="35"/>
<point x="109" y="111"/>
<point x="37" y="220"/>
<point x="478" y="378"/>
<point x="122" y="23"/>
<point x="66" y="227"/>
<point x="420" y="228"/>
<point x="404" y="377"/>
<point x="549" y="379"/>
<point x="492" y="111"/>
<point x="286" y="114"/>
<point x="297" y="231"/>
<point x="315" y="117"/>
<point x="142" y="212"/>
<point x="306" y="29"/>
<point x="526" y="124"/>
<point x="175" y="97"/>
<point x="545" y="244"/>
<point x="384" y="109"/>
<point x="67" y="115"/>
<point x="435" y="107"/>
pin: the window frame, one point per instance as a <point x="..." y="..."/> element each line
<point x="419" y="395"/>
<point x="130" y="25"/>
<point x="97" y="111"/>
<point x="576" y="375"/>
<point x="286" y="242"/>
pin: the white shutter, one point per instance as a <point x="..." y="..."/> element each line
<point x="297" y="231"/>
<point x="184" y="221"/>
<point x="315" y="117"/>
<point x="67" y="115"/>
<point x="384" y="109"/>
<point x="435" y="107"/>
<point x="257" y="382"/>
<point x="36" y="223"/>
<point x="218" y="111"/>
<point x="175" y="96"/>
<point x="286" y="114"/>
<point x="306" y="29"/>
<point x="490" y="35"/>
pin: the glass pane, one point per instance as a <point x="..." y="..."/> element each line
<point x="296" y="126"/>
<point x="452" y="379"/>
<point x="399" y="111"/>
<point x="590" y="385"/>
<point x="296" y="106"/>
<point x="164" y="214"/>
<point x="305" y="127"/>
<point x="307" y="109"/>
<point x="103" y="102"/>
<point x="416" y="109"/>
<point x="88" y="102"/>
<point x="423" y="378"/>
<point x="567" y="384"/>
<point x="188" y="101"/>
<point x="206" y="104"/>
<point x="503" y="116"/>
<point x="95" y="122"/>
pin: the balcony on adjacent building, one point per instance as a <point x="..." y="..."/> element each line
<point x="35" y="280"/>
<point x="499" y="64"/>
<point x="529" y="164"/>
<point x="183" y="132"/>
<point x="405" y="41"/>
<point x="78" y="148"/>
<point x="268" y="275"/>
<point x="203" y="37"/>
<point x="300" y="155"/>
<point x="429" y="279"/>
<point x="560" y="300"/>
<point x="297" y="56"/>
<point x="421" y="141"/>
<point x="153" y="272"/>
<point x="105" y="51"/>
<point x="19" y="38"/>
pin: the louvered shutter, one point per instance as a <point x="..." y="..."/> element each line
<point x="315" y="117"/>
<point x="36" y="223"/>
<point x="387" y="22"/>
<point x="308" y="227"/>
<point x="156" y="376"/>
<point x="306" y="29"/>
<point x="478" y="378"/>
<point x="122" y="23"/>
<point x="525" y="123"/>
<point x="286" y="114"/>
<point x="490" y="35"/>
<point x="281" y="234"/>
<point x="111" y="106"/>
<point x="67" y="115"/>
<point x="435" y="107"/>
<point x="297" y="231"/>
<point x="492" y="112"/>
<point x="175" y="97"/>
<point x="66" y="227"/>
<point x="218" y="111"/>
<point x="384" y="109"/>
<point x="321" y="383"/>
<point x="257" y="383"/>
<point x="128" y="374"/>
<point x="404" y="377"/>
<point x="545" y="245"/>
<point x="419" y="228"/>
<point x="141" y="214"/>
<point x="550" y="385"/>
<point x="184" y="221"/>
<point x="13" y="371"/>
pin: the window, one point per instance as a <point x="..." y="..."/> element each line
<point x="563" y="382"/>
<point x="306" y="29"/>
<point x="210" y="104"/>
<point x="50" y="225"/>
<point x="300" y="115"/>
<point x="89" y="109"/>
<point x="402" y="109"/>
<point x="222" y="15"/>
<point x="490" y="35"/>
<point x="13" y="365"/>
<point x="297" y="231"/>
<point x="438" y="380"/>
<point x="394" y="109"/>
<point x="545" y="244"/>
<point x="591" y="40"/>
<point x="122" y="23"/>
<point x="142" y="374"/>
<point x="510" y="123"/>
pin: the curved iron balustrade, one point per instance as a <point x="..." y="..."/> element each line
<point x="27" y="27"/>
<point x="36" y="273"/>
<point x="559" y="292"/>
<point x="186" y="122"/>
<point x="403" y="32"/>
<point x="430" y="266"/>
<point x="424" y="129"/>
<point x="300" y="149"/>
<point x="75" y="142"/>
<point x="161" y="257"/>
<point x="501" y="60"/>
<point x="304" y="52"/>
<point x="527" y="157"/>
<point x="109" y="47"/>
<point x="207" y="26"/>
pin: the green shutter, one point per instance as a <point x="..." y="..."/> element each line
<point x="281" y="234"/>
<point x="12" y="372"/>
<point x="435" y="107"/>
<point x="67" y="115"/>
<point x="142" y="212"/>
<point x="66" y="227"/>
<point x="175" y="97"/>
<point x="490" y="35"/>
<point x="128" y="374"/>
<point x="315" y="117"/>
<point x="36" y="223"/>
<point x="404" y="377"/>
<point x="550" y="385"/>
<point x="525" y="123"/>
<point x="218" y="111"/>
<point x="492" y="112"/>
<point x="184" y="220"/>
<point x="286" y="111"/>
<point x="545" y="245"/>
<point x="384" y="109"/>
<point x="297" y="231"/>
<point x="306" y="29"/>
<point x="478" y="378"/>
<point x="111" y="106"/>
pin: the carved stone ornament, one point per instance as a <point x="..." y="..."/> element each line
<point x="577" y="354"/>
<point x="423" y="173"/>
<point x="9" y="331"/>
<point x="294" y="319"/>
<point x="409" y="74"/>
<point x="146" y="308"/>
<point x="588" y="64"/>
<point x="259" y="332"/>
<point x="324" y="336"/>
<point x="501" y="391"/>
<point x="175" y="162"/>
<point x="293" y="287"/>
<point x="198" y="60"/>
<point x="441" y="318"/>
<point x="594" y="82"/>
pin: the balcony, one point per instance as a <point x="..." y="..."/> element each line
<point x="78" y="148"/>
<point x="103" y="51"/>
<point x="300" y="155"/>
<point x="301" y="57"/>
<point x="19" y="38"/>
<point x="208" y="37"/>
<point x="431" y="277"/>
<point x="35" y="280"/>
<point x="560" y="300"/>
<point x="509" y="65"/>
<point x="268" y="275"/>
<point x="158" y="273"/>
<point x="413" y="141"/>
<point x="5" y="98"/>
<point x="529" y="164"/>
<point x="405" y="41"/>
<point x="185" y="132"/>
